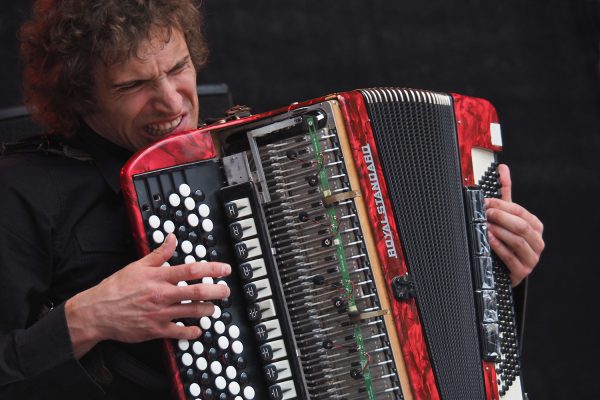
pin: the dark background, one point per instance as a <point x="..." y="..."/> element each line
<point x="537" y="61"/>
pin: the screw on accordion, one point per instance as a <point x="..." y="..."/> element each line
<point x="355" y="227"/>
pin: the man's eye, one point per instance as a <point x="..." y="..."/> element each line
<point x="129" y="86"/>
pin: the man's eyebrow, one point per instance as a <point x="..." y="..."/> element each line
<point x="180" y="64"/>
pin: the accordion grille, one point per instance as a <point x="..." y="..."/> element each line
<point x="416" y="139"/>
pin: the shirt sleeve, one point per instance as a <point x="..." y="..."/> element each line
<point x="35" y="351"/>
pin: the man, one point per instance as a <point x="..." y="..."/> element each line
<point x="111" y="77"/>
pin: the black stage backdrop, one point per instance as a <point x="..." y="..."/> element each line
<point x="537" y="61"/>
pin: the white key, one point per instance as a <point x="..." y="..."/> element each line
<point x="183" y="344"/>
<point x="179" y="323"/>
<point x="195" y="389"/>
<point x="243" y="229"/>
<point x="234" y="332"/>
<point x="184" y="190"/>
<point x="249" y="393"/>
<point x="216" y="313"/>
<point x="182" y="283"/>
<point x="187" y="359"/>
<point x="231" y="372"/>
<point x="238" y="208"/>
<point x="277" y="348"/>
<point x="223" y="342"/>
<point x="205" y="323"/>
<point x="220" y="383"/>
<point x="203" y="210"/>
<point x="219" y="327"/>
<point x="234" y="388"/>
<point x="253" y="269"/>
<point x="187" y="246"/>
<point x="208" y="279"/>
<point x="158" y="237"/>
<point x="258" y="290"/>
<point x="200" y="251"/>
<point x="268" y="330"/>
<point x="248" y="249"/>
<point x="193" y="220"/>
<point x="189" y="259"/>
<point x="189" y="203"/>
<point x="169" y="226"/>
<point x="267" y="309"/>
<point x="207" y="225"/>
<point x="166" y="264"/>
<point x="201" y="364"/>
<point x="154" y="221"/>
<point x="287" y="389"/>
<point x="237" y="347"/>
<point x="198" y="347"/>
<point x="283" y="369"/>
<point x="216" y="367"/>
<point x="221" y="282"/>
<point x="238" y="398"/>
<point x="174" y="200"/>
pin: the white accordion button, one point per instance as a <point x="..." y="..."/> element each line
<point x="189" y="259"/>
<point x="184" y="190"/>
<point x="223" y="342"/>
<point x="187" y="359"/>
<point x="216" y="367"/>
<point x="234" y="388"/>
<point x="183" y="344"/>
<point x="205" y="323"/>
<point x="208" y="279"/>
<point x="189" y="203"/>
<point x="207" y="225"/>
<point x="201" y="363"/>
<point x="220" y="383"/>
<point x="234" y="332"/>
<point x="237" y="347"/>
<point x="231" y="372"/>
<point x="198" y="347"/>
<point x="187" y="246"/>
<point x="219" y="327"/>
<point x="158" y="237"/>
<point x="249" y="393"/>
<point x="174" y="200"/>
<point x="200" y="251"/>
<point x="169" y="226"/>
<point x="154" y="221"/>
<point x="203" y="210"/>
<point x="195" y="389"/>
<point x="193" y="220"/>
<point x="216" y="313"/>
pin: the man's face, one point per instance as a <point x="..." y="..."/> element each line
<point x="149" y="96"/>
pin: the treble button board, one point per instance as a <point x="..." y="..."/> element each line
<point x="252" y="257"/>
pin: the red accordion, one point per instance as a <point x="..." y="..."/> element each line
<point x="355" y="227"/>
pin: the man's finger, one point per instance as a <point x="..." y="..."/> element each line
<point x="505" y="182"/>
<point x="517" y="270"/>
<point x="175" y="331"/>
<point x="197" y="270"/>
<point x="518" y="245"/>
<point x="162" y="253"/>
<point x="200" y="292"/>
<point x="190" y="310"/>
<point x="496" y="208"/>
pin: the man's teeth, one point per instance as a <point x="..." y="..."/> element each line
<point x="165" y="127"/>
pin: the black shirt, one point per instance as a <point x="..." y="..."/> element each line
<point x="63" y="229"/>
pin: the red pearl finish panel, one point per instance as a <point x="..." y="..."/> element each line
<point x="406" y="317"/>
<point x="473" y="119"/>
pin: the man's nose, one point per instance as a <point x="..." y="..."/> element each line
<point x="167" y="99"/>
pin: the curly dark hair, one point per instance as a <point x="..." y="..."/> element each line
<point x="65" y="39"/>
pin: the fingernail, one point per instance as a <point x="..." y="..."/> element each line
<point x="225" y="269"/>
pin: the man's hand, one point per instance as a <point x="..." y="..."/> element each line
<point x="140" y="301"/>
<point x="515" y="234"/>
